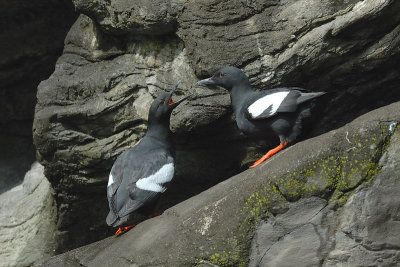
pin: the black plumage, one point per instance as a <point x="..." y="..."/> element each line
<point x="279" y="111"/>
<point x="140" y="174"/>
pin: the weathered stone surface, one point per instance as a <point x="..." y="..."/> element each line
<point x="369" y="224"/>
<point x="150" y="17"/>
<point x="124" y="53"/>
<point x="292" y="238"/>
<point x="27" y="221"/>
<point x="216" y="226"/>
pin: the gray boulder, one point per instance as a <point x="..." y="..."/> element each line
<point x="330" y="200"/>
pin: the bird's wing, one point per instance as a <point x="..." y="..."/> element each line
<point x="114" y="182"/>
<point x="155" y="180"/>
<point x="273" y="103"/>
<point x="138" y="179"/>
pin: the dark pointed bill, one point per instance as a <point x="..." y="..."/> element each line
<point x="170" y="102"/>
<point x="208" y="81"/>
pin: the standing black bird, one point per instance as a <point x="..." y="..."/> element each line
<point x="142" y="173"/>
<point x="258" y="113"/>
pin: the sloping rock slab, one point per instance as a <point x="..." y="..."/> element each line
<point x="284" y="202"/>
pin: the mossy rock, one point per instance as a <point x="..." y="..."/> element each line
<point x="332" y="175"/>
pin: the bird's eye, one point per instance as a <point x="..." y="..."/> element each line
<point x="221" y="74"/>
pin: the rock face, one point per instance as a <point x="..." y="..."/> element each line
<point x="27" y="221"/>
<point x="327" y="201"/>
<point x="121" y="54"/>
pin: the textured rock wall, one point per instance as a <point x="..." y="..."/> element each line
<point x="120" y="54"/>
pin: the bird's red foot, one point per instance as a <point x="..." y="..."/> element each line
<point x="269" y="154"/>
<point x="155" y="214"/>
<point x="123" y="229"/>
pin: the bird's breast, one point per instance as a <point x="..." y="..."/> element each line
<point x="245" y="125"/>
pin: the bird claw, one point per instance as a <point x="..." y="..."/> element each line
<point x="118" y="231"/>
<point x="122" y="230"/>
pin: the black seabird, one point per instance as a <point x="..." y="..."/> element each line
<point x="258" y="113"/>
<point x="140" y="174"/>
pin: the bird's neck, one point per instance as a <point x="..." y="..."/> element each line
<point x="160" y="132"/>
<point x="239" y="93"/>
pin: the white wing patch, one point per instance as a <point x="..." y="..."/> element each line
<point x="272" y="101"/>
<point x="154" y="182"/>
<point x="110" y="180"/>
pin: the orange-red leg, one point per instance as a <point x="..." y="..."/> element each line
<point x="123" y="229"/>
<point x="269" y="154"/>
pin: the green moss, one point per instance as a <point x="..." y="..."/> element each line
<point x="338" y="172"/>
<point x="223" y="259"/>
<point x="257" y="203"/>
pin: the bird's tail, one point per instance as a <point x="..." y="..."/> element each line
<point x="304" y="97"/>
<point x="111" y="218"/>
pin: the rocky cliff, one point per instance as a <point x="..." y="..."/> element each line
<point x="120" y="54"/>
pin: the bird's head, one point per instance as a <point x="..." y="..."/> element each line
<point x="162" y="106"/>
<point x="226" y="77"/>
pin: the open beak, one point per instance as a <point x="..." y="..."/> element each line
<point x="208" y="81"/>
<point x="172" y="103"/>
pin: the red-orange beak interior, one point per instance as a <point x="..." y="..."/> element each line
<point x="170" y="102"/>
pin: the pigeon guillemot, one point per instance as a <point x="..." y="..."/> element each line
<point x="140" y="174"/>
<point x="259" y="113"/>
